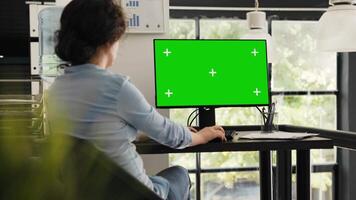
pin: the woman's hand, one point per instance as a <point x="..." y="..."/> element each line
<point x="206" y="134"/>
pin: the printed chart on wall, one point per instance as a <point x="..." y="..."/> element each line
<point x="145" y="16"/>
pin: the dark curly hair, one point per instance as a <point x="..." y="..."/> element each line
<point x="86" y="25"/>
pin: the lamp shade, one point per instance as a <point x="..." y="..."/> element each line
<point x="337" y="29"/>
<point x="256" y="20"/>
<point x="258" y="30"/>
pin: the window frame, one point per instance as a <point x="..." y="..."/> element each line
<point x="193" y="13"/>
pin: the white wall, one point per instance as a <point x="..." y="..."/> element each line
<point x="135" y="59"/>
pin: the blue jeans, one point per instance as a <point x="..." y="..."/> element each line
<point x="179" y="182"/>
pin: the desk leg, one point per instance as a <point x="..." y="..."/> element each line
<point x="265" y="175"/>
<point x="303" y="174"/>
<point x="284" y="175"/>
<point x="197" y="176"/>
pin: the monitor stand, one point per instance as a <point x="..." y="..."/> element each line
<point x="206" y="117"/>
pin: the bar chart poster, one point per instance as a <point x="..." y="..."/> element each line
<point x="134" y="21"/>
<point x="146" y="16"/>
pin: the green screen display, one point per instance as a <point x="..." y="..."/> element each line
<point x="210" y="73"/>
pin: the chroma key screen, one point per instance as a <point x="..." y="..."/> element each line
<point x="211" y="73"/>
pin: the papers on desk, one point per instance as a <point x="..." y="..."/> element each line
<point x="280" y="135"/>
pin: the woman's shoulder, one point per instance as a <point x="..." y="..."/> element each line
<point x="116" y="78"/>
<point x="94" y="72"/>
<point x="89" y="74"/>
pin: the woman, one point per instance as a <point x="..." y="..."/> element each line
<point x="90" y="102"/>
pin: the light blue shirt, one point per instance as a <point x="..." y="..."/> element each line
<point x="105" y="108"/>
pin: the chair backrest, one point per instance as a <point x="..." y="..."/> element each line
<point x="88" y="173"/>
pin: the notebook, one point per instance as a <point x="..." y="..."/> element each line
<point x="280" y="135"/>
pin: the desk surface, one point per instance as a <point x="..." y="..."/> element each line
<point x="284" y="163"/>
<point x="152" y="147"/>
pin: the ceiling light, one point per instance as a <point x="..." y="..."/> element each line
<point x="337" y="27"/>
<point x="258" y="29"/>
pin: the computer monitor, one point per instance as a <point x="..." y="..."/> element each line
<point x="211" y="73"/>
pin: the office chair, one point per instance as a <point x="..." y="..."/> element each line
<point x="87" y="173"/>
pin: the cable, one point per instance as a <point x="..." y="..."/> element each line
<point x="195" y="117"/>
<point x="262" y="113"/>
<point x="191" y="114"/>
<point x="257" y="5"/>
<point x="259" y="109"/>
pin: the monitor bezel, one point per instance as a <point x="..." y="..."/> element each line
<point x="214" y="106"/>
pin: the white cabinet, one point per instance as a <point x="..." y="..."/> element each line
<point x="34" y="11"/>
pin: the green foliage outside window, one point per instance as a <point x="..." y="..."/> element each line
<point x="298" y="66"/>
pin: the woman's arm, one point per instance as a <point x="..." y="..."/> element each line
<point x="135" y="110"/>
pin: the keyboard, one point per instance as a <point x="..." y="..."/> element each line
<point x="229" y="135"/>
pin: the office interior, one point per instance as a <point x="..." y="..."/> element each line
<point x="311" y="65"/>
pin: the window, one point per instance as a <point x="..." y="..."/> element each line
<point x="182" y="29"/>
<point x="229" y="185"/>
<point x="304" y="87"/>
<point x="299" y="66"/>
<point x="222" y="28"/>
